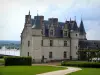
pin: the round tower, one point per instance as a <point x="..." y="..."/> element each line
<point x="74" y="40"/>
<point x="82" y="33"/>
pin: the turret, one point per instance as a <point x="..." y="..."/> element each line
<point x="74" y="39"/>
<point x="74" y="32"/>
<point x="75" y="27"/>
<point x="28" y="19"/>
<point x="82" y="32"/>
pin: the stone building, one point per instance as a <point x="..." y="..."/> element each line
<point x="50" y="40"/>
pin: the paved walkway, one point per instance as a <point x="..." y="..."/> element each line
<point x="62" y="72"/>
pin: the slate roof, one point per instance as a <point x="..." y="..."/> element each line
<point x="81" y="28"/>
<point x="89" y="44"/>
<point x="75" y="27"/>
<point x="72" y="25"/>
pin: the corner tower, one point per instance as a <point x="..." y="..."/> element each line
<point x="74" y="39"/>
<point x="82" y="32"/>
<point x="26" y="37"/>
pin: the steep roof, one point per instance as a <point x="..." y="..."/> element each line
<point x="36" y="22"/>
<point x="89" y="44"/>
<point x="72" y="25"/>
<point x="75" y="27"/>
<point x="81" y="28"/>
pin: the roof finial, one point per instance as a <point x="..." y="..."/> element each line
<point x="29" y="12"/>
<point x="70" y="18"/>
<point x="65" y="18"/>
<point x="81" y="17"/>
<point x="37" y="12"/>
<point x="75" y="18"/>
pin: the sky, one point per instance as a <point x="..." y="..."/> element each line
<point x="12" y="15"/>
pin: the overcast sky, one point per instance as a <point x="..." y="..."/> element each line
<point x="12" y="15"/>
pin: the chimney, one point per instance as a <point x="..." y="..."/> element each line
<point x="26" y="18"/>
<point x="41" y="20"/>
<point x="53" y="21"/>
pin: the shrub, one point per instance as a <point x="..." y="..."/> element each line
<point x="11" y="60"/>
<point x="80" y="64"/>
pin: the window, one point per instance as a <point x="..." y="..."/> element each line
<point x="28" y="43"/>
<point x="97" y="46"/>
<point x="41" y="42"/>
<point x="50" y="54"/>
<point x="28" y="53"/>
<point x="76" y="47"/>
<point x="61" y="32"/>
<point x="65" y="54"/>
<point x="65" y="33"/>
<point x="51" y="32"/>
<point x="51" y="42"/>
<point x="42" y="31"/>
<point x="65" y="43"/>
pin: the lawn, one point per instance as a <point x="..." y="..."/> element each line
<point x="27" y="70"/>
<point x="1" y="60"/>
<point x="87" y="71"/>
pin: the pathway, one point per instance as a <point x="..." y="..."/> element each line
<point x="62" y="72"/>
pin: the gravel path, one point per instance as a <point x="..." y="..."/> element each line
<point x="62" y="72"/>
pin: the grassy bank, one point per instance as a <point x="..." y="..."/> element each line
<point x="27" y="70"/>
<point x="87" y="71"/>
<point x="1" y="60"/>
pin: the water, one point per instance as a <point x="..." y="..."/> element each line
<point x="13" y="52"/>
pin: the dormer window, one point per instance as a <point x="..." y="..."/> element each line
<point x="51" y="32"/>
<point x="65" y="33"/>
<point x="42" y="32"/>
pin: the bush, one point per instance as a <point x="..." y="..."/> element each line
<point x="80" y="64"/>
<point x="11" y="60"/>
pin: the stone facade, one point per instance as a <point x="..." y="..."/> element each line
<point x="50" y="40"/>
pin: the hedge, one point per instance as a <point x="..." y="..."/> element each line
<point x="80" y="64"/>
<point x="11" y="60"/>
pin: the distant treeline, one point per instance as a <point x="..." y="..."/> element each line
<point x="10" y="44"/>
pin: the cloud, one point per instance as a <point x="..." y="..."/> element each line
<point x="12" y="14"/>
<point x="92" y="28"/>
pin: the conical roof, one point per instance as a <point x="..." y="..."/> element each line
<point x="75" y="27"/>
<point x="81" y="28"/>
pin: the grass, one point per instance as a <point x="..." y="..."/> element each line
<point x="27" y="70"/>
<point x="87" y="71"/>
<point x="1" y="60"/>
